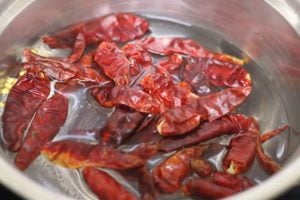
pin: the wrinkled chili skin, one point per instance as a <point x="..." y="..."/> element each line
<point x="248" y="127"/>
<point x="73" y="154"/>
<point x="205" y="132"/>
<point x="161" y="87"/>
<point x="138" y="57"/>
<point x="78" y="49"/>
<point x="207" y="189"/>
<point x="30" y="91"/>
<point x="169" y="45"/>
<point x="134" y="98"/>
<point x="62" y="69"/>
<point x="170" y="173"/>
<point x="171" y="66"/>
<point x="105" y="186"/>
<point x="204" y="74"/>
<point x="120" y="124"/>
<point x="120" y="27"/>
<point x="209" y="107"/>
<point x="49" y="117"/>
<point x="113" y="63"/>
<point x="240" y="155"/>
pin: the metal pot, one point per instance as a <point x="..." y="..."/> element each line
<point x="267" y="32"/>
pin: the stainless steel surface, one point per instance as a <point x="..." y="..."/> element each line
<point x="267" y="32"/>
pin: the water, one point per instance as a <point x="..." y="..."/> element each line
<point x="85" y="113"/>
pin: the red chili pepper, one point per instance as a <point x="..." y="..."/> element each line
<point x="205" y="132"/>
<point x="62" y="69"/>
<point x="138" y="58"/>
<point x="168" y="46"/>
<point x="204" y="73"/>
<point x="182" y="119"/>
<point x="72" y="154"/>
<point x="134" y="98"/>
<point x="105" y="186"/>
<point x="238" y="183"/>
<point x="207" y="189"/>
<point x="49" y="117"/>
<point x="241" y="154"/>
<point x="119" y="126"/>
<point x="30" y="91"/>
<point x="161" y="87"/>
<point x="113" y="63"/>
<point x="146" y="133"/>
<point x="170" y="173"/>
<point x="201" y="167"/>
<point x="171" y="66"/>
<point x="266" y="136"/>
<point x="120" y="27"/>
<point x="250" y="144"/>
<point x="78" y="49"/>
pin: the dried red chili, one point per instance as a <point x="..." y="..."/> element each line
<point x="119" y="126"/>
<point x="169" y="45"/>
<point x="78" y="49"/>
<point x="205" y="73"/>
<point x="201" y="167"/>
<point x="171" y="66"/>
<point x="120" y="27"/>
<point x="204" y="133"/>
<point x="49" y="117"/>
<point x="207" y="189"/>
<point x="72" y="154"/>
<point x="105" y="186"/>
<point x="30" y="91"/>
<point x="61" y="69"/>
<point x="113" y="63"/>
<point x="134" y="98"/>
<point x="138" y="58"/>
<point x="170" y="173"/>
<point x="161" y="87"/>
<point x="182" y="119"/>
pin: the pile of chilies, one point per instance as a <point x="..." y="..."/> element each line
<point x="173" y="104"/>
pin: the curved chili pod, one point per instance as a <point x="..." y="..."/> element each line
<point x="105" y="186"/>
<point x="30" y="91"/>
<point x="49" y="117"/>
<point x="238" y="183"/>
<point x="134" y="98"/>
<point x="210" y="107"/>
<point x="248" y="141"/>
<point x="120" y="27"/>
<point x="113" y="63"/>
<point x="170" y="173"/>
<point x="241" y="154"/>
<point x="78" y="49"/>
<point x="119" y="126"/>
<point x="169" y="45"/>
<point x="207" y="189"/>
<point x="266" y="136"/>
<point x="204" y="133"/>
<point x="72" y="154"/>
<point x="62" y="69"/>
<point x="138" y="58"/>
